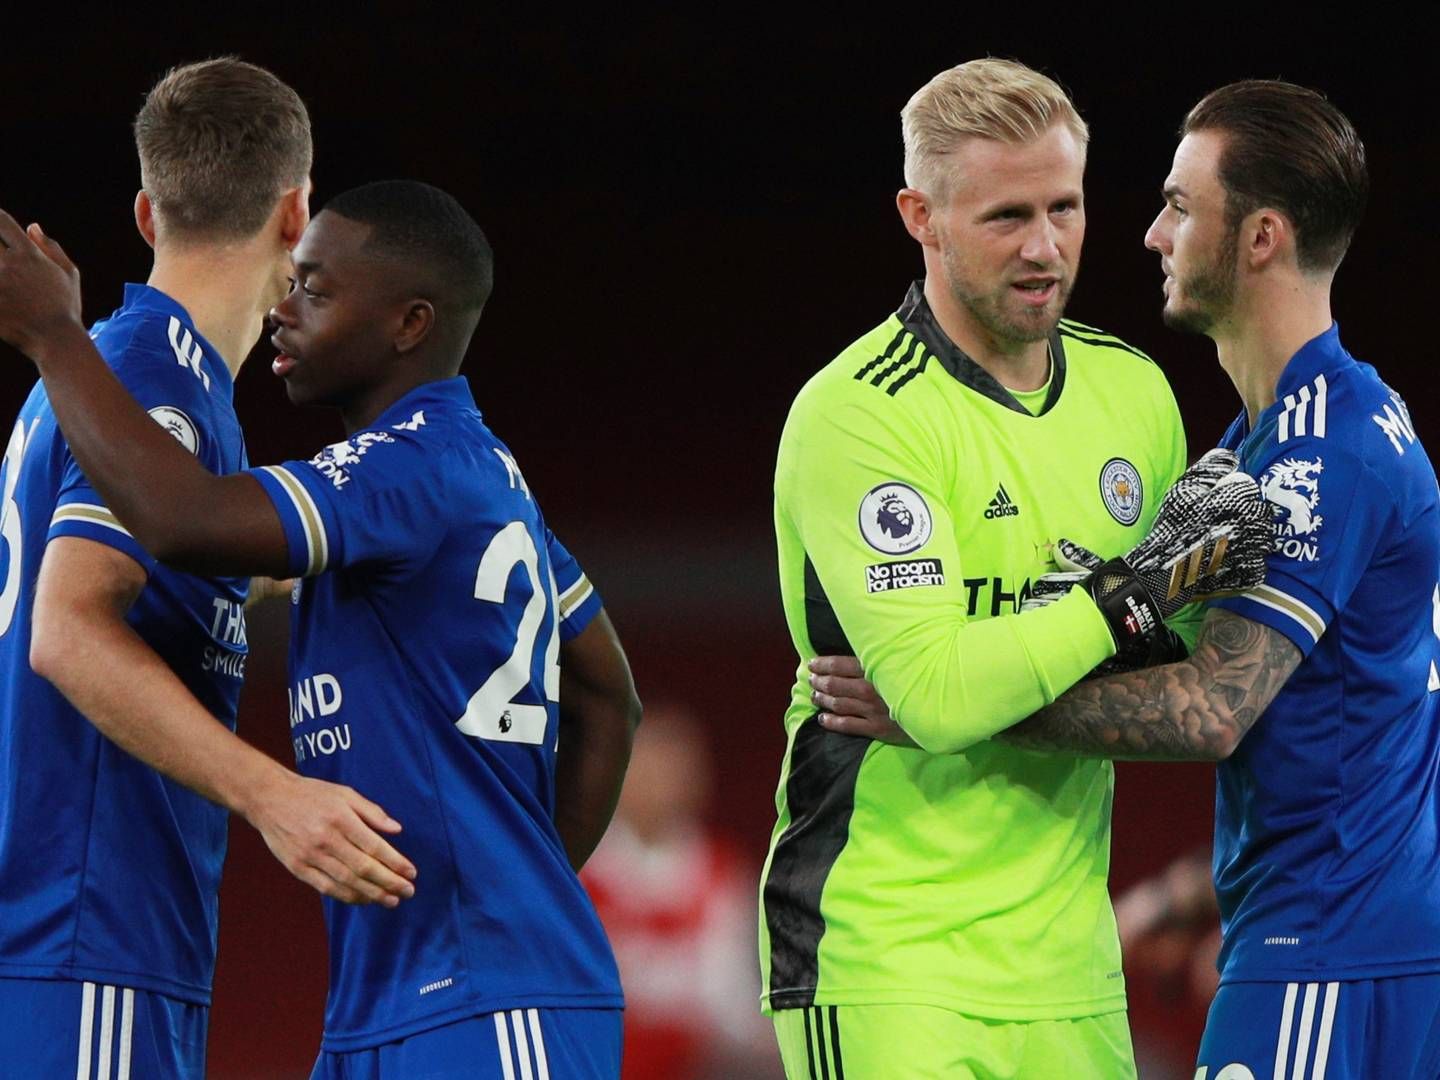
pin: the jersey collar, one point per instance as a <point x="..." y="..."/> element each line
<point x="443" y="393"/>
<point x="1320" y="355"/>
<point x="148" y="300"/>
<point x="917" y="317"/>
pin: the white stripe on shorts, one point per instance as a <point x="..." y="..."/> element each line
<point x="502" y="1037"/>
<point x="1282" y="1045"/>
<point x="87" y="1020"/>
<point x="1307" y="1021"/>
<point x="107" y="1033"/>
<point x="522" y="1045"/>
<point x="127" y="1024"/>
<point x="1327" y="1027"/>
<point x="538" y="1041"/>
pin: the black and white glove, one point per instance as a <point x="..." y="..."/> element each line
<point x="1210" y="537"/>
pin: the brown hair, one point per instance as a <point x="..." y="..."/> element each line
<point x="220" y="141"/>
<point x="990" y="98"/>
<point x="1288" y="148"/>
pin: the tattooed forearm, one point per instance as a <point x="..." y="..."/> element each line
<point x="1197" y="709"/>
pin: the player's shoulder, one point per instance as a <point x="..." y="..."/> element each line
<point x="149" y="347"/>
<point x="1081" y="340"/>
<point x="1350" y="412"/>
<point x="879" y="372"/>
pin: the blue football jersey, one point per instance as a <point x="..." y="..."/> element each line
<point x="1327" y="819"/>
<point x="424" y="674"/>
<point x="108" y="871"/>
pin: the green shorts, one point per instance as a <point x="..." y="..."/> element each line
<point x="921" y="1042"/>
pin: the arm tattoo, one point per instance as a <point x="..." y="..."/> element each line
<point x="1197" y="709"/>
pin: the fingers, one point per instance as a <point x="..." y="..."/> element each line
<point x="1070" y="557"/>
<point x="51" y="248"/>
<point x="11" y="235"/>
<point x="847" y="666"/>
<point x="850" y="706"/>
<point x="866" y="728"/>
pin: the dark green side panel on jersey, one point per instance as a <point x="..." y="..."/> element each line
<point x="820" y="792"/>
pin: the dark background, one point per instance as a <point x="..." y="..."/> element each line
<point x="689" y="217"/>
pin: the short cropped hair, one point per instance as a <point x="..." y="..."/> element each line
<point x="423" y="226"/>
<point x="991" y="99"/>
<point x="220" y="141"/>
<point x="1287" y="147"/>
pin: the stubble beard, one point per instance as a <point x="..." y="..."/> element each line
<point x="1009" y="330"/>
<point x="1208" y="293"/>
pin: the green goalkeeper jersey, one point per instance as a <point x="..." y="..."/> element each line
<point x="915" y="501"/>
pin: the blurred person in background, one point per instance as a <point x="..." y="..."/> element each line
<point x="677" y="901"/>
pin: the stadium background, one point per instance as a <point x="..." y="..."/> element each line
<point x="688" y="219"/>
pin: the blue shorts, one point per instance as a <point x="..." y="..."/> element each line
<point x="521" y="1044"/>
<point x="54" y="1027"/>
<point x="1334" y="1030"/>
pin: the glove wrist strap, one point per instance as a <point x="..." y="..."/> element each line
<point x="1125" y="602"/>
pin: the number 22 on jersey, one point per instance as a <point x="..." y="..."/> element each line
<point x="492" y="712"/>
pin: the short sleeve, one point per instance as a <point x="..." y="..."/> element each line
<point x="1331" y="511"/>
<point x="578" y="599"/>
<point x="176" y="398"/>
<point x="379" y="496"/>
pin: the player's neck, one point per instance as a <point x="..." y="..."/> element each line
<point x="1015" y="365"/>
<point x="1267" y="328"/>
<point x="225" y="290"/>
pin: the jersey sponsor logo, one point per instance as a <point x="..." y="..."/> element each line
<point x="993" y="595"/>
<point x="1394" y="420"/>
<point x="1121" y="490"/>
<point x="890" y="576"/>
<point x="178" y="425"/>
<point x="1001" y="505"/>
<point x="336" y="459"/>
<point x="1304" y="412"/>
<point x="317" y="697"/>
<point x="894" y="519"/>
<point x="1293" y="486"/>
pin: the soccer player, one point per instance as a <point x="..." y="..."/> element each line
<point x="109" y="871"/>
<point x="1318" y="693"/>
<point x="958" y="895"/>
<point x="425" y="636"/>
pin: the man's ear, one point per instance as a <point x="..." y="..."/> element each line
<point x="415" y="326"/>
<point x="914" y="207"/>
<point x="294" y="214"/>
<point x="1265" y="236"/>
<point x="145" y="216"/>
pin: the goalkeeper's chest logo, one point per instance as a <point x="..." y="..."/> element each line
<point x="894" y="519"/>
<point x="1121" y="490"/>
<point x="1292" y="486"/>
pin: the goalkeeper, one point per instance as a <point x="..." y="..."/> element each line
<point x="953" y="899"/>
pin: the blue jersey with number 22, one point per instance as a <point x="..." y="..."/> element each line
<point x="424" y="674"/>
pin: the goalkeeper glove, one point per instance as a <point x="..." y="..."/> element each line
<point x="1210" y="537"/>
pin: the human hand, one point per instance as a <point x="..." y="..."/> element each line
<point x="851" y="704"/>
<point x="264" y="588"/>
<point x="329" y="836"/>
<point x="39" y="288"/>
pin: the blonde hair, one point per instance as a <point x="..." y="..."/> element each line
<point x="991" y="99"/>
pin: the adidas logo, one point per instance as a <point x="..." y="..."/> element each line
<point x="1001" y="506"/>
